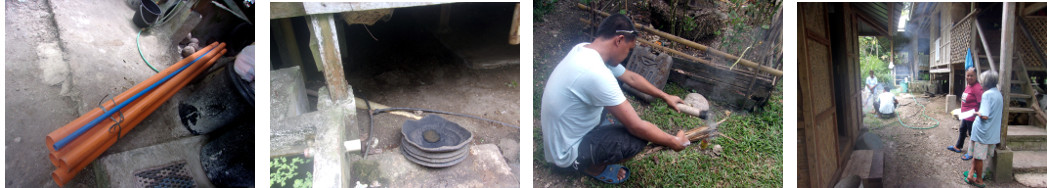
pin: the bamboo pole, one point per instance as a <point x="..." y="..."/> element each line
<point x="693" y="44"/>
<point x="375" y="106"/>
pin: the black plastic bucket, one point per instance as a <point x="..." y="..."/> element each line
<point x="218" y="100"/>
<point x="147" y="13"/>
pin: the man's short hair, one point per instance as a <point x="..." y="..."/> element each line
<point x="614" y="25"/>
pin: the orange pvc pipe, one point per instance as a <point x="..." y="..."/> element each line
<point x="58" y="157"/>
<point x="64" y="175"/>
<point x="84" y="119"/>
<point x="137" y="113"/>
<point x="71" y="127"/>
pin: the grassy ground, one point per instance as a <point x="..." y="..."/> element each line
<point x="753" y="160"/>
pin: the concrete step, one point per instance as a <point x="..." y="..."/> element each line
<point x="867" y="164"/>
<point x="1032" y="179"/>
<point x="1030" y="162"/>
<point x="1027" y="138"/>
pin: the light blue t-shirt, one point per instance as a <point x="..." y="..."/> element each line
<point x="575" y="95"/>
<point x="987" y="131"/>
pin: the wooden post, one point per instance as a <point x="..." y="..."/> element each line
<point x="890" y="34"/>
<point x="985" y="46"/>
<point x="1006" y="52"/>
<point x="294" y="56"/>
<point x="324" y="33"/>
<point x="514" y="31"/>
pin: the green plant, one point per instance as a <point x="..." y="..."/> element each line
<point x="304" y="183"/>
<point x="282" y="169"/>
<point x="542" y="7"/>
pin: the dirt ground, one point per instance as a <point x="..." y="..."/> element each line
<point x="414" y="70"/>
<point x="30" y="24"/>
<point x="917" y="157"/>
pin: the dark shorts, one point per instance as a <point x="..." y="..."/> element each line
<point x="610" y="142"/>
<point x="608" y="145"/>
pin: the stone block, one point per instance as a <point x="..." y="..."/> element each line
<point x="951" y="103"/>
<point x="287" y="93"/>
<point x="1002" y="164"/>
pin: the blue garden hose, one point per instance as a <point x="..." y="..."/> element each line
<point x="65" y="141"/>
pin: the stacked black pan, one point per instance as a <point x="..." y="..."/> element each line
<point x="435" y="142"/>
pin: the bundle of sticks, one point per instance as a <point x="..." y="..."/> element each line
<point x="694" y="135"/>
<point x="73" y="146"/>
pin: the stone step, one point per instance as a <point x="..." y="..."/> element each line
<point x="867" y="164"/>
<point x="1030" y="162"/>
<point x="1027" y="138"/>
<point x="1032" y="179"/>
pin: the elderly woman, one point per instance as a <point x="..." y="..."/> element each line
<point x="985" y="133"/>
<point x="970" y="100"/>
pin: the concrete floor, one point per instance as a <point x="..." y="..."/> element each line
<point x="63" y="57"/>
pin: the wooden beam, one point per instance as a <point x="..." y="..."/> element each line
<point x="514" y="30"/>
<point x="1029" y="9"/>
<point x="326" y="36"/>
<point x="294" y="56"/>
<point x="1006" y="52"/>
<point x="865" y="17"/>
<point x="985" y="46"/>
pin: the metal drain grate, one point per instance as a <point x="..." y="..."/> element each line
<point x="169" y="175"/>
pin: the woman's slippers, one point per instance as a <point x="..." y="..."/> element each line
<point x="966" y="157"/>
<point x="953" y="149"/>
<point x="968" y="181"/>
<point x="610" y="174"/>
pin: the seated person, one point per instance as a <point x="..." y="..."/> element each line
<point x="885" y="104"/>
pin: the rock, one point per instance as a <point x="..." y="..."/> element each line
<point x="187" y="51"/>
<point x="717" y="149"/>
<point x="697" y="101"/>
<point x="488" y="159"/>
<point x="510" y="150"/>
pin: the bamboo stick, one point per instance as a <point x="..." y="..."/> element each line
<point x="693" y="44"/>
<point x="375" y="106"/>
<point x="694" y="135"/>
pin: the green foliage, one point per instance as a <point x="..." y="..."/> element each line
<point x="753" y="160"/>
<point x="542" y="7"/>
<point x="872" y="57"/>
<point x="744" y="16"/>
<point x="281" y="169"/>
<point x="304" y="183"/>
<point x="621" y="11"/>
